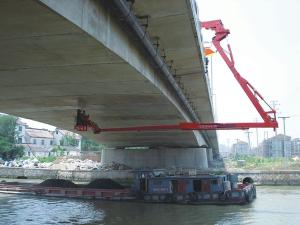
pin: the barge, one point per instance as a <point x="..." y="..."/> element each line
<point x="195" y="189"/>
<point x="149" y="186"/>
<point x="58" y="188"/>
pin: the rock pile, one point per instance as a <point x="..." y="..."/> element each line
<point x="66" y="163"/>
<point x="114" y="166"/>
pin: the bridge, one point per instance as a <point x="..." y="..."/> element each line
<point x="126" y="63"/>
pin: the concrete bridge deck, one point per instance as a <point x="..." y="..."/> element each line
<point x="57" y="56"/>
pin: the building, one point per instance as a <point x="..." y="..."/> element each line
<point x="240" y="148"/>
<point x="41" y="142"/>
<point x="224" y="151"/>
<point x="295" y="147"/>
<point x="34" y="150"/>
<point x="39" y="137"/>
<point x="61" y="138"/>
<point x="20" y="131"/>
<point x="38" y="142"/>
<point x="274" y="146"/>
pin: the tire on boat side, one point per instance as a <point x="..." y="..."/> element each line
<point x="248" y="180"/>
<point x="254" y="191"/>
<point x="249" y="195"/>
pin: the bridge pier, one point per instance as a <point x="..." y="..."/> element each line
<point x="157" y="158"/>
<point x="209" y="154"/>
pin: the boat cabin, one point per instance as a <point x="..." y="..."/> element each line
<point x="151" y="183"/>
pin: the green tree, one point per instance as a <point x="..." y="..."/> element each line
<point x="8" y="127"/>
<point x="69" y="140"/>
<point x="8" y="148"/>
<point x="90" y="145"/>
<point x="59" y="150"/>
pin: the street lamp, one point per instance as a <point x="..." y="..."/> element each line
<point x="284" y="147"/>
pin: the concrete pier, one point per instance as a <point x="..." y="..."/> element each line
<point x="209" y="154"/>
<point x="157" y="158"/>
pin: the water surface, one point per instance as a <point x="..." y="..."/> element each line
<point x="274" y="205"/>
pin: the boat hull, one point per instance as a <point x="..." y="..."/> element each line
<point x="241" y="196"/>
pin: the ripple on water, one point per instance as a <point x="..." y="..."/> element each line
<point x="274" y="205"/>
<point x="19" y="210"/>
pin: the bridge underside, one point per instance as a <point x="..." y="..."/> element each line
<point x="49" y="67"/>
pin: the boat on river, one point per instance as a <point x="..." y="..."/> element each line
<point x="149" y="186"/>
<point x="193" y="189"/>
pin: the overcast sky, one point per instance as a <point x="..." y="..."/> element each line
<point x="265" y="43"/>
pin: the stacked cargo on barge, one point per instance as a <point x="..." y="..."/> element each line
<point x="148" y="186"/>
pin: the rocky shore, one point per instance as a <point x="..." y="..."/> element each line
<point x="65" y="163"/>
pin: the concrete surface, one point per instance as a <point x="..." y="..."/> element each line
<point x="50" y="66"/>
<point x="6" y="172"/>
<point x="281" y="177"/>
<point x="157" y="158"/>
<point x="209" y="154"/>
<point x="291" y="177"/>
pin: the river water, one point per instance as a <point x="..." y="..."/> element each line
<point x="274" y="205"/>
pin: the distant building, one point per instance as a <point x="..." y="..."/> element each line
<point x="295" y="147"/>
<point x="224" y="151"/>
<point x="33" y="150"/>
<point x="39" y="137"/>
<point x="20" y="131"/>
<point x="38" y="142"/>
<point x="60" y="138"/>
<point x="274" y="146"/>
<point x="240" y="148"/>
<point x="41" y="142"/>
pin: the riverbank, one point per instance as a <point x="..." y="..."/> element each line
<point x="75" y="175"/>
<point x="280" y="177"/>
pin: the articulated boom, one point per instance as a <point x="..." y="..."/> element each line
<point x="269" y="117"/>
<point x="83" y="121"/>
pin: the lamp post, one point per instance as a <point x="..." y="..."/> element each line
<point x="249" y="142"/>
<point x="275" y="103"/>
<point x="284" y="146"/>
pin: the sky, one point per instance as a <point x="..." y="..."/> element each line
<point x="264" y="40"/>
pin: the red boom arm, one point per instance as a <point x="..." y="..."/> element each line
<point x="269" y="117"/>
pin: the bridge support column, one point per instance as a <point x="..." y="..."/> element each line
<point x="157" y="158"/>
<point x="209" y="154"/>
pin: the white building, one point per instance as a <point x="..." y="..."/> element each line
<point x="59" y="138"/>
<point x="241" y="148"/>
<point x="295" y="147"/>
<point x="39" y="137"/>
<point x="40" y="142"/>
<point x="33" y="150"/>
<point x="20" y="131"/>
<point x="274" y="146"/>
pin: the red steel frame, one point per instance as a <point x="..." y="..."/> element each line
<point x="83" y="121"/>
